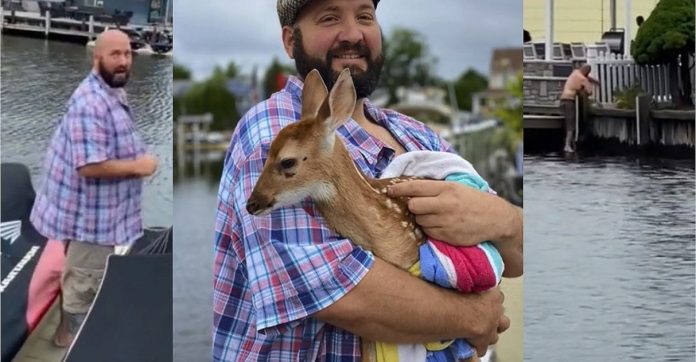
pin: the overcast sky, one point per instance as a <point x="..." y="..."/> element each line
<point x="460" y="33"/>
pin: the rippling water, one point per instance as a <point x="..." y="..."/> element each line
<point x="193" y="259"/>
<point x="609" y="259"/>
<point x="37" y="80"/>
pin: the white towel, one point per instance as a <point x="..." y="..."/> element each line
<point x="431" y="164"/>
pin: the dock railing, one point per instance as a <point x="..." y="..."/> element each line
<point x="618" y="72"/>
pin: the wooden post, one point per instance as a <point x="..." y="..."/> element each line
<point x="642" y="120"/>
<point x="91" y="27"/>
<point x="578" y="114"/>
<point x="180" y="144"/>
<point x="47" y="19"/>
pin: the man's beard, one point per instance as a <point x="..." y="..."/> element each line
<point x="365" y="81"/>
<point x="117" y="79"/>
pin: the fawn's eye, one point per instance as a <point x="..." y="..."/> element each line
<point x="287" y="163"/>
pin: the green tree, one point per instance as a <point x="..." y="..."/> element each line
<point x="466" y="85"/>
<point x="212" y="96"/>
<point x="270" y="79"/>
<point x="232" y="70"/>
<point x="407" y="62"/>
<point x="511" y="115"/>
<point x="666" y="36"/>
<point x="180" y="72"/>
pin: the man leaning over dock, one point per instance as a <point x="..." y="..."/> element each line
<point x="92" y="192"/>
<point x="579" y="81"/>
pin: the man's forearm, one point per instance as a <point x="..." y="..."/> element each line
<point x="389" y="305"/>
<point x="110" y="169"/>
<point x="509" y="242"/>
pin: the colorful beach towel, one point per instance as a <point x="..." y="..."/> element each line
<point x="466" y="269"/>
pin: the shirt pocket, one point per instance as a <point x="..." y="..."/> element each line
<point x="127" y="144"/>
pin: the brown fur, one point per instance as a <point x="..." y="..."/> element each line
<point x="360" y="209"/>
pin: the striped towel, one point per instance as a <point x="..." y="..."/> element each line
<point x="466" y="269"/>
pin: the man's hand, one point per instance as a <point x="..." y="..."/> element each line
<point x="453" y="212"/>
<point x="492" y="308"/>
<point x="145" y="165"/>
<point x="461" y="215"/>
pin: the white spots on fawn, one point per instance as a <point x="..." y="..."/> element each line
<point x="404" y="224"/>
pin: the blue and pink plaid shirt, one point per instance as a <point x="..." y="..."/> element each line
<point x="98" y="126"/>
<point x="272" y="273"/>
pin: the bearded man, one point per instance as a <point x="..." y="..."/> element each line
<point x="287" y="288"/>
<point x="91" y="194"/>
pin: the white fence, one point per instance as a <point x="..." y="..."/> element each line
<point x="617" y="72"/>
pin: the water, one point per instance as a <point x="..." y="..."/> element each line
<point x="193" y="258"/>
<point x="609" y="259"/>
<point x="38" y="77"/>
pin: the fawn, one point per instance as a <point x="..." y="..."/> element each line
<point x="307" y="159"/>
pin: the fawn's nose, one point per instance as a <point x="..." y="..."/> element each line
<point x="256" y="205"/>
<point x="252" y="206"/>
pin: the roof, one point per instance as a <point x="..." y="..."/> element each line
<point x="505" y="59"/>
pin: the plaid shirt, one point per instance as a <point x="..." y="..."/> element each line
<point x="97" y="127"/>
<point x="272" y="273"/>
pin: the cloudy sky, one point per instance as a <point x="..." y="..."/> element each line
<point x="460" y="33"/>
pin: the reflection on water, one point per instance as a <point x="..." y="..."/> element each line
<point x="38" y="77"/>
<point x="195" y="199"/>
<point x="609" y="259"/>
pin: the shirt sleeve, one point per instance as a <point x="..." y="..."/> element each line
<point x="296" y="265"/>
<point x="86" y="125"/>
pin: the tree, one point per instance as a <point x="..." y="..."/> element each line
<point x="212" y="96"/>
<point x="511" y="115"/>
<point x="466" y="85"/>
<point x="407" y="61"/>
<point x="232" y="70"/>
<point x="271" y="80"/>
<point x="181" y="72"/>
<point x="666" y="37"/>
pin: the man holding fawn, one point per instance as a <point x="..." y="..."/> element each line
<point x="287" y="287"/>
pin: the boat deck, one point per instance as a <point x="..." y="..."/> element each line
<point x="39" y="346"/>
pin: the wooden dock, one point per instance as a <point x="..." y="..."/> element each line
<point x="643" y="128"/>
<point x="31" y="23"/>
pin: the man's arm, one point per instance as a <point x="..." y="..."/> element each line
<point x="390" y="305"/>
<point x="461" y="215"/>
<point x="510" y="241"/>
<point x="140" y="167"/>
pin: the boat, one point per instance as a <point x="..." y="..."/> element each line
<point x="146" y="42"/>
<point x="133" y="300"/>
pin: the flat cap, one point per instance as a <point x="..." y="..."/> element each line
<point x="288" y="10"/>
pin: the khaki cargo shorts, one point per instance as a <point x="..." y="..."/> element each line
<point x="82" y="274"/>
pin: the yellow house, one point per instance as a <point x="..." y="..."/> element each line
<point x="581" y="21"/>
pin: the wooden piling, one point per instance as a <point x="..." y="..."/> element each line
<point x="47" y="19"/>
<point x="643" y="120"/>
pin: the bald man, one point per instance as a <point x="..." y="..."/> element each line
<point x="92" y="191"/>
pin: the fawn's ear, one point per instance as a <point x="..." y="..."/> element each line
<point x="341" y="100"/>
<point x="313" y="94"/>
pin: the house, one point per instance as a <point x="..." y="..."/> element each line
<point x="581" y="21"/>
<point x="144" y="11"/>
<point x="505" y="67"/>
